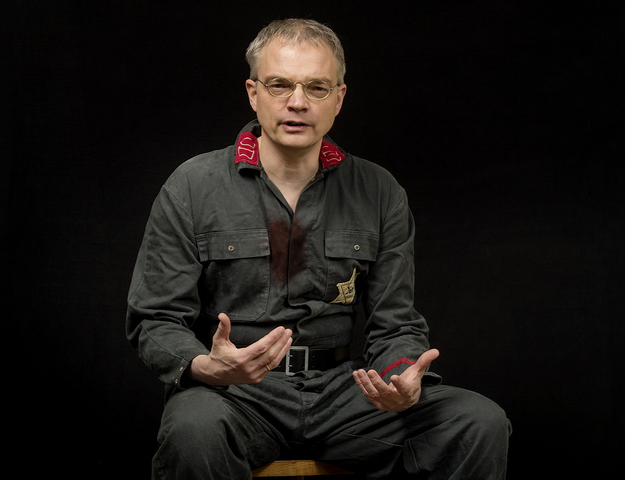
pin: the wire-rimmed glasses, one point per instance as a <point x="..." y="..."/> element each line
<point x="284" y="88"/>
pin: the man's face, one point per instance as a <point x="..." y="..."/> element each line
<point x="295" y="124"/>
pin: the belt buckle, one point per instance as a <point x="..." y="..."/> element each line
<point x="289" y="355"/>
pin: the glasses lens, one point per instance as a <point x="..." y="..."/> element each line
<point x="280" y="87"/>
<point x="318" y="89"/>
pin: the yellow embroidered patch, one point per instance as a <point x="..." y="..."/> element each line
<point x="347" y="290"/>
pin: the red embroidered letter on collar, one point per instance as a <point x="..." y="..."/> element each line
<point x="330" y="155"/>
<point x="247" y="149"/>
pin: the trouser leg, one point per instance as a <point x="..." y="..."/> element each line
<point x="450" y="434"/>
<point x="207" y="435"/>
<point x="468" y="438"/>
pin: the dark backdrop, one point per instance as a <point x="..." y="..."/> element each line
<point x="503" y="120"/>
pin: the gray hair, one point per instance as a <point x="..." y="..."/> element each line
<point x="296" y="31"/>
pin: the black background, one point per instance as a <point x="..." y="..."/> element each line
<point x="503" y="120"/>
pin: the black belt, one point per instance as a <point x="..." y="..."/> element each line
<point x="301" y="358"/>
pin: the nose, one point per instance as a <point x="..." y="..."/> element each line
<point x="298" y="101"/>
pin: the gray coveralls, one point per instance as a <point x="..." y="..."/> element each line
<point x="221" y="238"/>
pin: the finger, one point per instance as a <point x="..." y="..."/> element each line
<point x="361" y="378"/>
<point x="380" y="385"/>
<point x="367" y="385"/>
<point x="275" y="356"/>
<point x="358" y="376"/>
<point x="269" y="346"/>
<point x="407" y="382"/>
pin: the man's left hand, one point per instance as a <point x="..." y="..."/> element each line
<point x="404" y="390"/>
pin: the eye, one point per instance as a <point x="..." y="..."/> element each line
<point x="279" y="86"/>
<point x="318" y="89"/>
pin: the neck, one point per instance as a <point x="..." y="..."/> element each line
<point x="289" y="171"/>
<point x="289" y="167"/>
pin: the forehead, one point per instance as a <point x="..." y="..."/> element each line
<point x="297" y="62"/>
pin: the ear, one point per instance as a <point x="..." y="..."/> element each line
<point x="341" y="92"/>
<point x="252" y="93"/>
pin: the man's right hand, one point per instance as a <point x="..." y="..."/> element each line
<point x="229" y="365"/>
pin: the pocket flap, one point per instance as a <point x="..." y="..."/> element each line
<point x="232" y="245"/>
<point x="351" y="244"/>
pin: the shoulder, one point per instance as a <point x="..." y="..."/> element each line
<point x="359" y="185"/>
<point x="206" y="163"/>
<point x="203" y="168"/>
<point x="370" y="177"/>
<point x="371" y="168"/>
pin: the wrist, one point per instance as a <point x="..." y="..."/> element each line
<point x="199" y="368"/>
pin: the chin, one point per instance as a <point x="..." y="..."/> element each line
<point x="299" y="142"/>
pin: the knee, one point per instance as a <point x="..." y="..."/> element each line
<point x="199" y="438"/>
<point x="484" y="417"/>
<point x="192" y="418"/>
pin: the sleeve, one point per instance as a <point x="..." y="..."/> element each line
<point x="163" y="300"/>
<point x="395" y="333"/>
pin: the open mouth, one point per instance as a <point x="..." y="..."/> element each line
<point x="295" y="124"/>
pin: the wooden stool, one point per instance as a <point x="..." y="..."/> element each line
<point x="298" y="469"/>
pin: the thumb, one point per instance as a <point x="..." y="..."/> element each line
<point x="223" y="329"/>
<point x="425" y="359"/>
<point x="415" y="372"/>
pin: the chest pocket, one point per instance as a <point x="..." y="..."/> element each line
<point x="236" y="273"/>
<point x="348" y="253"/>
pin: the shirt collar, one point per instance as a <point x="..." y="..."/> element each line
<point x="247" y="155"/>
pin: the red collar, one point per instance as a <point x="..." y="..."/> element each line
<point x="247" y="151"/>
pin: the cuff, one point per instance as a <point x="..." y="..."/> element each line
<point x="397" y="364"/>
<point x="398" y="367"/>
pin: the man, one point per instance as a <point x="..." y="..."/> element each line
<point x="242" y="300"/>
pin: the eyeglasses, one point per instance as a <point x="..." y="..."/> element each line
<point x="283" y="88"/>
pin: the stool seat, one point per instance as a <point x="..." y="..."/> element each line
<point x="298" y="469"/>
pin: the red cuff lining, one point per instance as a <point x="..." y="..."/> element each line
<point x="395" y="364"/>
